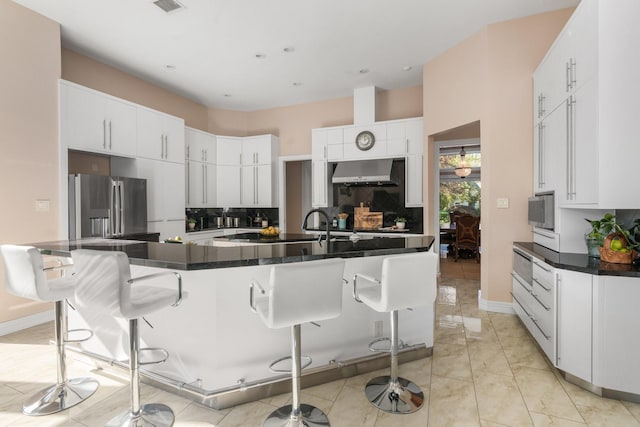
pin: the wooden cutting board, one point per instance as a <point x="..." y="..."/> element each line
<point x="367" y="220"/>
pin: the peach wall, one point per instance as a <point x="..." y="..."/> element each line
<point x="293" y="124"/>
<point x="30" y="52"/>
<point x="88" y="72"/>
<point x="487" y="77"/>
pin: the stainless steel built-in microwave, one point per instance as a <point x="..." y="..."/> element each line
<point x="541" y="210"/>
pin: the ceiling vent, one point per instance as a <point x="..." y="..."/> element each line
<point x="168" y="5"/>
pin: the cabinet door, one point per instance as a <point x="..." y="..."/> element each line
<point x="319" y="144"/>
<point x="150" y="136"/>
<point x="196" y="144"/>
<point x="195" y="184"/>
<point x="574" y="313"/>
<point x="210" y="182"/>
<point x="121" y="127"/>
<point x="165" y="189"/>
<point x="228" y="150"/>
<point x="551" y="77"/>
<point x="247" y="186"/>
<point x="414" y="130"/>
<point x="264" y="186"/>
<point x="582" y="35"/>
<point x="335" y="144"/>
<point x="228" y="185"/>
<point x="413" y="181"/>
<point x="584" y="150"/>
<point x="553" y="156"/>
<point x="173" y="131"/>
<point x="319" y="184"/>
<point x="396" y="139"/>
<point x="84" y="125"/>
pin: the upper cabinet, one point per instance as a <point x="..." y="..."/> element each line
<point x="201" y="171"/>
<point x="96" y="122"/>
<point x="247" y="171"/>
<point x="586" y="101"/>
<point x="160" y="136"/>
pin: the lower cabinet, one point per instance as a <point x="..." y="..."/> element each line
<point x="574" y="295"/>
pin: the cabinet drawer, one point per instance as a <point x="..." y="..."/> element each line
<point x="522" y="293"/>
<point x="542" y="317"/>
<point x="543" y="273"/>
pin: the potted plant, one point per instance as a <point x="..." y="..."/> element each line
<point x="605" y="226"/>
<point x="400" y="223"/>
<point x="191" y="223"/>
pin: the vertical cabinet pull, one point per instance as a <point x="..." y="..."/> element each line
<point x="204" y="173"/>
<point x="110" y="133"/>
<point x="104" y="134"/>
<point x="188" y="180"/>
<point x="161" y="146"/>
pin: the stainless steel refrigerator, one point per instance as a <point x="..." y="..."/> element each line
<point x="106" y="206"/>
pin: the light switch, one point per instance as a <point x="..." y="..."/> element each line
<point x="503" y="203"/>
<point x="42" y="205"/>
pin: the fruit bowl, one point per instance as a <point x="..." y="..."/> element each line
<point x="270" y="232"/>
<point x="614" y="250"/>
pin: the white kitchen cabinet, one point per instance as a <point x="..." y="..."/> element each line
<point x="165" y="189"/>
<point x="590" y="71"/>
<point x="327" y="144"/>
<point x="320" y="184"/>
<point x="379" y="149"/>
<point x="405" y="137"/>
<point x="160" y="136"/>
<point x="574" y="299"/>
<point x="201" y="172"/>
<point x="259" y="150"/>
<point x="413" y="181"/>
<point x="229" y="180"/>
<point x="549" y="161"/>
<point x="256" y="186"/>
<point x="200" y="146"/>
<point x="201" y="184"/>
<point x="96" y="122"/>
<point x="228" y="150"/>
<point x="615" y="318"/>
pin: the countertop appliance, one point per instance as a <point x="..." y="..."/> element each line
<point x="541" y="210"/>
<point x="106" y="206"/>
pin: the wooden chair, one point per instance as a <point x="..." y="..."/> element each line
<point x="467" y="235"/>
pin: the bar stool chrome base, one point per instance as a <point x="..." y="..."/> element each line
<point x="310" y="416"/>
<point x="59" y="397"/>
<point x="399" y="397"/>
<point x="150" y="415"/>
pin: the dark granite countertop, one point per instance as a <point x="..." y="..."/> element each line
<point x="259" y="238"/>
<point x="578" y="262"/>
<point x="196" y="257"/>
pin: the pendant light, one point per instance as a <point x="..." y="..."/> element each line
<point x="463" y="169"/>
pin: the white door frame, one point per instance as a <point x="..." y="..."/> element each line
<point x="282" y="182"/>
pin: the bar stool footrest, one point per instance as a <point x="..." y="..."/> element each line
<point x="288" y="371"/>
<point x="143" y="353"/>
<point x="372" y="344"/>
<point x="72" y="331"/>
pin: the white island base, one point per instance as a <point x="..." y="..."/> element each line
<point x="220" y="350"/>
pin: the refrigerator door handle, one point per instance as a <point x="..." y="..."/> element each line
<point x="121" y="209"/>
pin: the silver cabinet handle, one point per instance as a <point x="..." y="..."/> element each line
<point x="325" y="152"/>
<point x="572" y="64"/>
<point x="568" y="139"/>
<point x="188" y="152"/>
<point x="188" y="182"/>
<point x="110" y="133"/>
<point x="542" y="110"/>
<point x="557" y="319"/>
<point x="104" y="134"/>
<point x="535" y="322"/>
<point x="203" y="183"/>
<point x="542" y="286"/>
<point x="166" y="146"/>
<point x="567" y="78"/>
<point x="161" y="146"/>
<point x="521" y="306"/>
<point x="548" y="270"/>
<point x="540" y="302"/>
<point x="520" y="282"/>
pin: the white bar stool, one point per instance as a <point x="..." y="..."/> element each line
<point x="406" y="281"/>
<point x="104" y="283"/>
<point x="25" y="277"/>
<point x="298" y="293"/>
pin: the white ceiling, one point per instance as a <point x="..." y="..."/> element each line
<point x="213" y="43"/>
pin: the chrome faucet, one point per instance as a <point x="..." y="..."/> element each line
<point x="326" y="217"/>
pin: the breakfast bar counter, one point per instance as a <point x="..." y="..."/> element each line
<point x="219" y="350"/>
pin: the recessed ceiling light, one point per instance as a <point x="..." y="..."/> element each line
<point x="289" y="49"/>
<point x="363" y="71"/>
<point x="297" y="83"/>
<point x="170" y="67"/>
<point x="227" y="95"/>
<point x="407" y="68"/>
<point x="261" y="55"/>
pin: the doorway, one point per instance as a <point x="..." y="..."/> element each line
<point x="294" y="192"/>
<point x="457" y="192"/>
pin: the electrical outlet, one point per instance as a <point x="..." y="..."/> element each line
<point x="503" y="203"/>
<point x="42" y="205"/>
<point x="377" y="328"/>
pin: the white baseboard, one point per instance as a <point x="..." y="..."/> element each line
<point x="495" y="306"/>
<point x="25" y="322"/>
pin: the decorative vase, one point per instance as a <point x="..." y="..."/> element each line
<point x="592" y="246"/>
<point x="400" y="225"/>
<point x="192" y="225"/>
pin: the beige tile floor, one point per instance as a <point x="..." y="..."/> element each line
<point x="485" y="371"/>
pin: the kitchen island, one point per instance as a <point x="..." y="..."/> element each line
<point x="220" y="350"/>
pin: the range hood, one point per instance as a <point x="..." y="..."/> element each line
<point x="365" y="172"/>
